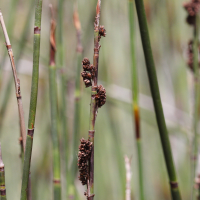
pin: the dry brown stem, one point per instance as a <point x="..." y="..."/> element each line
<point x="17" y="82"/>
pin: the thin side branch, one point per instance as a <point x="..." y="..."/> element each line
<point x="17" y="82"/>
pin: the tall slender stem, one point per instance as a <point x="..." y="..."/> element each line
<point x="93" y="104"/>
<point x="156" y="99"/>
<point x="33" y="100"/>
<point x="135" y="104"/>
<point x="17" y="82"/>
<point x="53" y="100"/>
<point x="196" y="105"/>
<point x="2" y="178"/>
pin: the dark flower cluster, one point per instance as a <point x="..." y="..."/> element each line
<point x="88" y="72"/>
<point x="102" y="32"/>
<point x="84" y="153"/>
<point x="100" y="96"/>
<point x="192" y="8"/>
<point x="190" y="55"/>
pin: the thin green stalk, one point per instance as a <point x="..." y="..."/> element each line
<point x="33" y="100"/>
<point x="62" y="75"/>
<point x="156" y="99"/>
<point x="54" y="128"/>
<point x="77" y="108"/>
<point x="135" y="105"/>
<point x="2" y="179"/>
<point x="196" y="106"/>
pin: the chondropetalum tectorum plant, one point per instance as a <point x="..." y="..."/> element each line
<point x="53" y="100"/>
<point x="193" y="7"/>
<point x="151" y="71"/>
<point x="33" y="100"/>
<point x="98" y="99"/>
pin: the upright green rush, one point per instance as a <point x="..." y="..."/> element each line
<point x="135" y="105"/>
<point x="2" y="179"/>
<point x="33" y="100"/>
<point x="156" y="100"/>
<point x="53" y="100"/>
<point x="194" y="156"/>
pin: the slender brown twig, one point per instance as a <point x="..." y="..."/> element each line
<point x="17" y="82"/>
<point x="98" y="95"/>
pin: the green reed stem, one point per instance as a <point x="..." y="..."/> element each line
<point x="33" y="100"/>
<point x="196" y="106"/>
<point x="135" y="105"/>
<point x="53" y="100"/>
<point x="2" y="178"/>
<point x="156" y="99"/>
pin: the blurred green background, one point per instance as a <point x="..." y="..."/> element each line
<point x="114" y="135"/>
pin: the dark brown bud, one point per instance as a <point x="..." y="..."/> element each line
<point x="102" y="31"/>
<point x="86" y="61"/>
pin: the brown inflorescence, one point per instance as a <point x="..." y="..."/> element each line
<point x="192" y="8"/>
<point x="88" y="72"/>
<point x="83" y="158"/>
<point x="190" y="55"/>
<point x="102" y="32"/>
<point x="100" y="96"/>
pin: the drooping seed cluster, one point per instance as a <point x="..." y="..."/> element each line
<point x="192" y="9"/>
<point x="88" y="72"/>
<point x="191" y="55"/>
<point x="85" y="149"/>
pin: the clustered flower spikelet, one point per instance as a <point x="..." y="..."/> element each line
<point x="88" y="73"/>
<point x="100" y="96"/>
<point x="191" y="55"/>
<point x="192" y="9"/>
<point x="102" y="32"/>
<point x="84" y="154"/>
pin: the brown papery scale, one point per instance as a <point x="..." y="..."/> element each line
<point x="83" y="157"/>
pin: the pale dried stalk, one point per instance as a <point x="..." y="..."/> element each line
<point x="128" y="177"/>
<point x="17" y="82"/>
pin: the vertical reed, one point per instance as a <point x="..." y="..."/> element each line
<point x="156" y="99"/>
<point x="79" y="50"/>
<point x="33" y="100"/>
<point x="98" y="98"/>
<point x="135" y="104"/>
<point x="2" y="178"/>
<point x="53" y="100"/>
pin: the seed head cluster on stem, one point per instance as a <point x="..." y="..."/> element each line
<point x="98" y="99"/>
<point x="192" y="7"/>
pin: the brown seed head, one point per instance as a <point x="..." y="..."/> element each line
<point x="85" y="149"/>
<point x="100" y="96"/>
<point x="102" y="31"/>
<point x="86" y="61"/>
